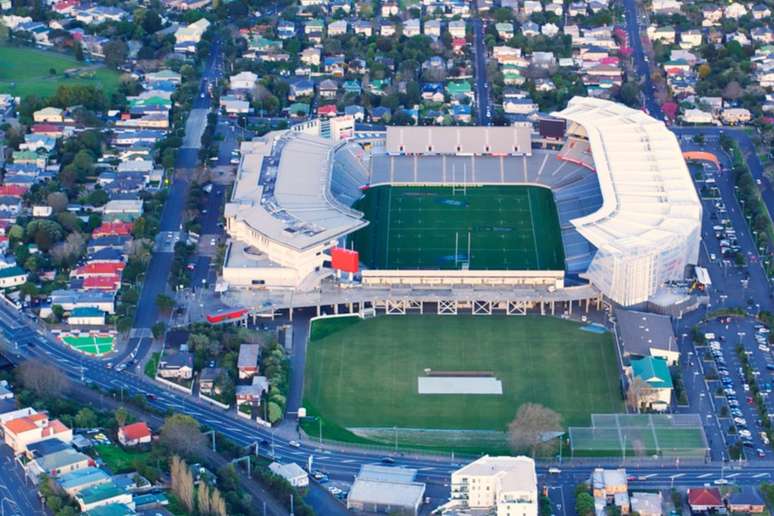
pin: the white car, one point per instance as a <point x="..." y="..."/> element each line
<point x="294" y="444"/>
<point x="720" y="482"/>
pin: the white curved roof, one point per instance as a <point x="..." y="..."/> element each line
<point x="649" y="200"/>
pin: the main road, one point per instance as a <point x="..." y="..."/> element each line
<point x="157" y="274"/>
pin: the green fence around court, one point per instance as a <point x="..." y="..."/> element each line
<point x="664" y="435"/>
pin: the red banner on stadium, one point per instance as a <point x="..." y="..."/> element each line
<point x="345" y="260"/>
<point x="226" y="316"/>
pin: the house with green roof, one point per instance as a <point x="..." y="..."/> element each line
<point x="103" y="494"/>
<point x="86" y="316"/>
<point x="298" y="109"/>
<point x="459" y="89"/>
<point x="113" y="509"/>
<point x="351" y="87"/>
<point x="654" y="372"/>
<point x="12" y="277"/>
<point x="81" y="479"/>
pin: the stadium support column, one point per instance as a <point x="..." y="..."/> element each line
<point x="336" y="309"/>
<point x="570" y="307"/>
<point x="553" y="307"/>
<point x="542" y="308"/>
<point x="318" y="310"/>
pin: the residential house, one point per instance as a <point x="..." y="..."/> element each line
<point x="690" y="39"/>
<point x="101" y="495"/>
<point x="458" y="90"/>
<point x="666" y="34"/>
<point x="412" y="27"/>
<point x="12" y="277"/>
<point x="328" y="89"/>
<point x="655" y="373"/>
<point x="311" y="56"/>
<point x="387" y="28"/>
<point x="530" y="29"/>
<point x="88" y="316"/>
<point x="389" y="8"/>
<point x="243" y="81"/>
<point x="433" y="28"/>
<point x="48" y="115"/>
<point x="705" y="499"/>
<point x="363" y="28"/>
<point x="504" y="30"/>
<point x="208" y="378"/>
<point x="531" y="7"/>
<point x="78" y="480"/>
<point x="609" y="486"/>
<point x="252" y="393"/>
<point x="20" y="432"/>
<point x="135" y="434"/>
<point x="286" y="29"/>
<point x="176" y="365"/>
<point x="746" y="499"/>
<point x="338" y="28"/>
<point x="192" y="33"/>
<point x="71" y="299"/>
<point x="666" y="6"/>
<point x="58" y="463"/>
<point x="734" y="10"/>
<point x="356" y="112"/>
<point x="760" y="11"/>
<point x="711" y="14"/>
<point x="291" y="472"/>
<point x="247" y="363"/>
<point x="234" y="105"/>
<point x="550" y="30"/>
<point x="732" y="116"/>
<point x="301" y="88"/>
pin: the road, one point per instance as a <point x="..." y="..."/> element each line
<point x="640" y="65"/>
<point x="157" y="274"/>
<point x="483" y="109"/>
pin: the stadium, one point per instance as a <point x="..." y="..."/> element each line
<point x="595" y="201"/>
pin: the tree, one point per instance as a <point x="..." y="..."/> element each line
<point x="203" y="498"/>
<point x="584" y="504"/>
<point x="639" y="391"/>
<point x="85" y="418"/>
<point x="218" y="504"/>
<point x="532" y="422"/>
<point x="42" y="379"/>
<point x="78" y="50"/>
<point x="704" y="70"/>
<point x="121" y="415"/>
<point x="158" y="329"/>
<point x="732" y="91"/>
<point x="116" y="52"/>
<point x="180" y="433"/>
<point x="57" y="201"/>
<point x="165" y="303"/>
<point x="182" y="482"/>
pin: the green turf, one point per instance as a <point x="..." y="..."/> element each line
<point x="26" y="71"/>
<point x="365" y="374"/>
<point x="93" y="345"/>
<point x="420" y="227"/>
<point x="119" y="460"/>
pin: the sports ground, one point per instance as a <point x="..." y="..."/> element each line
<point x="363" y="373"/>
<point x="90" y="344"/>
<point x="493" y="227"/>
<point x="27" y="71"/>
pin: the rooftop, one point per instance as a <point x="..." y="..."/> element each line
<point x="282" y="191"/>
<point x="641" y="331"/>
<point x="394" y="494"/>
<point x="515" y="473"/>
<point x="649" y="198"/>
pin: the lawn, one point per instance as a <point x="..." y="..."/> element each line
<point x="478" y="227"/>
<point x="119" y="460"/>
<point x="26" y="71"/>
<point x="362" y="374"/>
<point x="152" y="365"/>
<point x="90" y="344"/>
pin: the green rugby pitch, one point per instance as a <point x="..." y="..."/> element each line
<point x="26" y="71"/>
<point x="363" y="373"/>
<point x="511" y="227"/>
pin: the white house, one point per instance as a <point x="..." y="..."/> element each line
<point x="192" y="33"/>
<point x="243" y="81"/>
<point x="457" y="28"/>
<point x="505" y="485"/>
<point x="697" y="116"/>
<point x="291" y="472"/>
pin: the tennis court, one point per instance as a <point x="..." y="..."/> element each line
<point x="492" y="227"/>
<point x="91" y="344"/>
<point x="665" y="435"/>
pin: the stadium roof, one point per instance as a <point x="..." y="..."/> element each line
<point x="648" y="197"/>
<point x="282" y="191"/>
<point x="515" y="139"/>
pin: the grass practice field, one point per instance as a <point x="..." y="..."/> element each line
<point x="90" y="344"/>
<point x="26" y="71"/>
<point x="429" y="227"/>
<point x="363" y="373"/>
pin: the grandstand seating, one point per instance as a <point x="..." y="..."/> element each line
<point x="349" y="174"/>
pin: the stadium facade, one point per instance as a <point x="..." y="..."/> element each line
<point x="626" y="208"/>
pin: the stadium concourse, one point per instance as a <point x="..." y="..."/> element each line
<point x="595" y="202"/>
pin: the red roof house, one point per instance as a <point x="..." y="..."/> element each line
<point x="702" y="499"/>
<point x="102" y="282"/>
<point x="134" y="434"/>
<point x="327" y="110"/>
<point x="52" y="130"/>
<point x="13" y="190"/>
<point x="98" y="269"/>
<point x="113" y="228"/>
